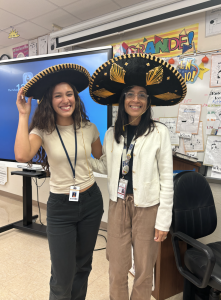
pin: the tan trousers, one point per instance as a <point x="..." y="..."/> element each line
<point x="129" y="225"/>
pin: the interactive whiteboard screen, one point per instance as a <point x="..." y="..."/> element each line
<point x="15" y="73"/>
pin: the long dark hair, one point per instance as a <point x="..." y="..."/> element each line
<point x="44" y="119"/>
<point x="146" y="122"/>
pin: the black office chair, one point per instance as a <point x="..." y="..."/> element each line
<point x="194" y="216"/>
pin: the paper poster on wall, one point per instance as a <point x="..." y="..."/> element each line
<point x="213" y="104"/>
<point x="215" y="74"/>
<point x="180" y="148"/>
<point x="188" y="69"/>
<point x="195" y="144"/>
<point x="167" y="44"/>
<point x="52" y="45"/>
<point x="43" y="45"/>
<point x="192" y="154"/>
<point x="33" y="47"/>
<point x="213" y="151"/>
<point x="171" y="125"/>
<point x="188" y="118"/>
<point x="213" y="22"/>
<point x="20" y="51"/>
<point x="216" y="171"/>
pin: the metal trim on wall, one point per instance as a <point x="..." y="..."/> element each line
<point x="136" y="25"/>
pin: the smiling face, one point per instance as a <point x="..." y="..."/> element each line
<point x="135" y="103"/>
<point x="63" y="102"/>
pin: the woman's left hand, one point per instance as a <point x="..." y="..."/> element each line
<point x="160" y="236"/>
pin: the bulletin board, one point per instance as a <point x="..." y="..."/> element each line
<point x="197" y="93"/>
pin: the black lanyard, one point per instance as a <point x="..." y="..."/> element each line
<point x="73" y="169"/>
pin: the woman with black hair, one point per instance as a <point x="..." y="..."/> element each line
<point x="137" y="158"/>
<point x="63" y="138"/>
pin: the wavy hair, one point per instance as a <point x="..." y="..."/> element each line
<point x="44" y="119"/>
<point x="146" y="122"/>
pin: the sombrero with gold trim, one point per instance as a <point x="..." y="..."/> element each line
<point x="72" y="73"/>
<point x="162" y="81"/>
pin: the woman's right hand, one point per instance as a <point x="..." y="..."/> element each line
<point x="24" y="107"/>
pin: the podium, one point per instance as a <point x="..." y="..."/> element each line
<point x="168" y="281"/>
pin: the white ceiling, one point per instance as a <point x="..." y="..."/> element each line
<point x="33" y="18"/>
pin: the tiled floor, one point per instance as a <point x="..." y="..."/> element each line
<point x="25" y="261"/>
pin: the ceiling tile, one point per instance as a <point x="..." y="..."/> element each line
<point x="63" y="2"/>
<point x="28" y="30"/>
<point x="126" y="3"/>
<point x="27" y="9"/>
<point x="5" y="41"/>
<point x="94" y="9"/>
<point x="58" y="17"/>
<point x="7" y="19"/>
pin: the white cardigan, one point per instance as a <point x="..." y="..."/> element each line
<point x="152" y="171"/>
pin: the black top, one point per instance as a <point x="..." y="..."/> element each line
<point x="131" y="130"/>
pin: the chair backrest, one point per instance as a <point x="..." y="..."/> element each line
<point x="194" y="211"/>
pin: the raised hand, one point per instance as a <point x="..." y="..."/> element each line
<point x="24" y="107"/>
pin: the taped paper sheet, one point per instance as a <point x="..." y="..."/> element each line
<point x="196" y="142"/>
<point x="213" y="151"/>
<point x="171" y="125"/>
<point x="188" y="118"/>
<point x="213" y="110"/>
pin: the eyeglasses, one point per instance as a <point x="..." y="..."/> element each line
<point x="140" y="96"/>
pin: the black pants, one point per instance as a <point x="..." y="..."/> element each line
<point x="72" y="229"/>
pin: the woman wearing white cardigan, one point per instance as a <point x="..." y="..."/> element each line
<point x="137" y="159"/>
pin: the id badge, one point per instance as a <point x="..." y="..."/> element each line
<point x="122" y="188"/>
<point x="74" y="193"/>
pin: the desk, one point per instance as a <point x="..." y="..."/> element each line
<point x="26" y="224"/>
<point x="168" y="281"/>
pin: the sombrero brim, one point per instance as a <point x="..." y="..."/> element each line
<point x="163" y="82"/>
<point x="71" y="73"/>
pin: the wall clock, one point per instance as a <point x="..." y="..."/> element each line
<point x="4" y="57"/>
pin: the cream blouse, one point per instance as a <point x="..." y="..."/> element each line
<point x="61" y="174"/>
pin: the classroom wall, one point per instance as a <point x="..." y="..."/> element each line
<point x="14" y="184"/>
<point x="204" y="43"/>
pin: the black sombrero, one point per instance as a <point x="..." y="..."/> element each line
<point x="72" y="73"/>
<point x="162" y="81"/>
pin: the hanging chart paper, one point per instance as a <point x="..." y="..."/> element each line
<point x="180" y="148"/>
<point x="171" y="125"/>
<point x="195" y="144"/>
<point x="213" y="105"/>
<point x="43" y="45"/>
<point x="213" y="22"/>
<point x="52" y="45"/>
<point x="213" y="151"/>
<point x="188" y="118"/>
<point x="215" y="74"/>
<point x="33" y="47"/>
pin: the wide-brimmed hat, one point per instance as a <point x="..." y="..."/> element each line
<point x="71" y="73"/>
<point x="163" y="82"/>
